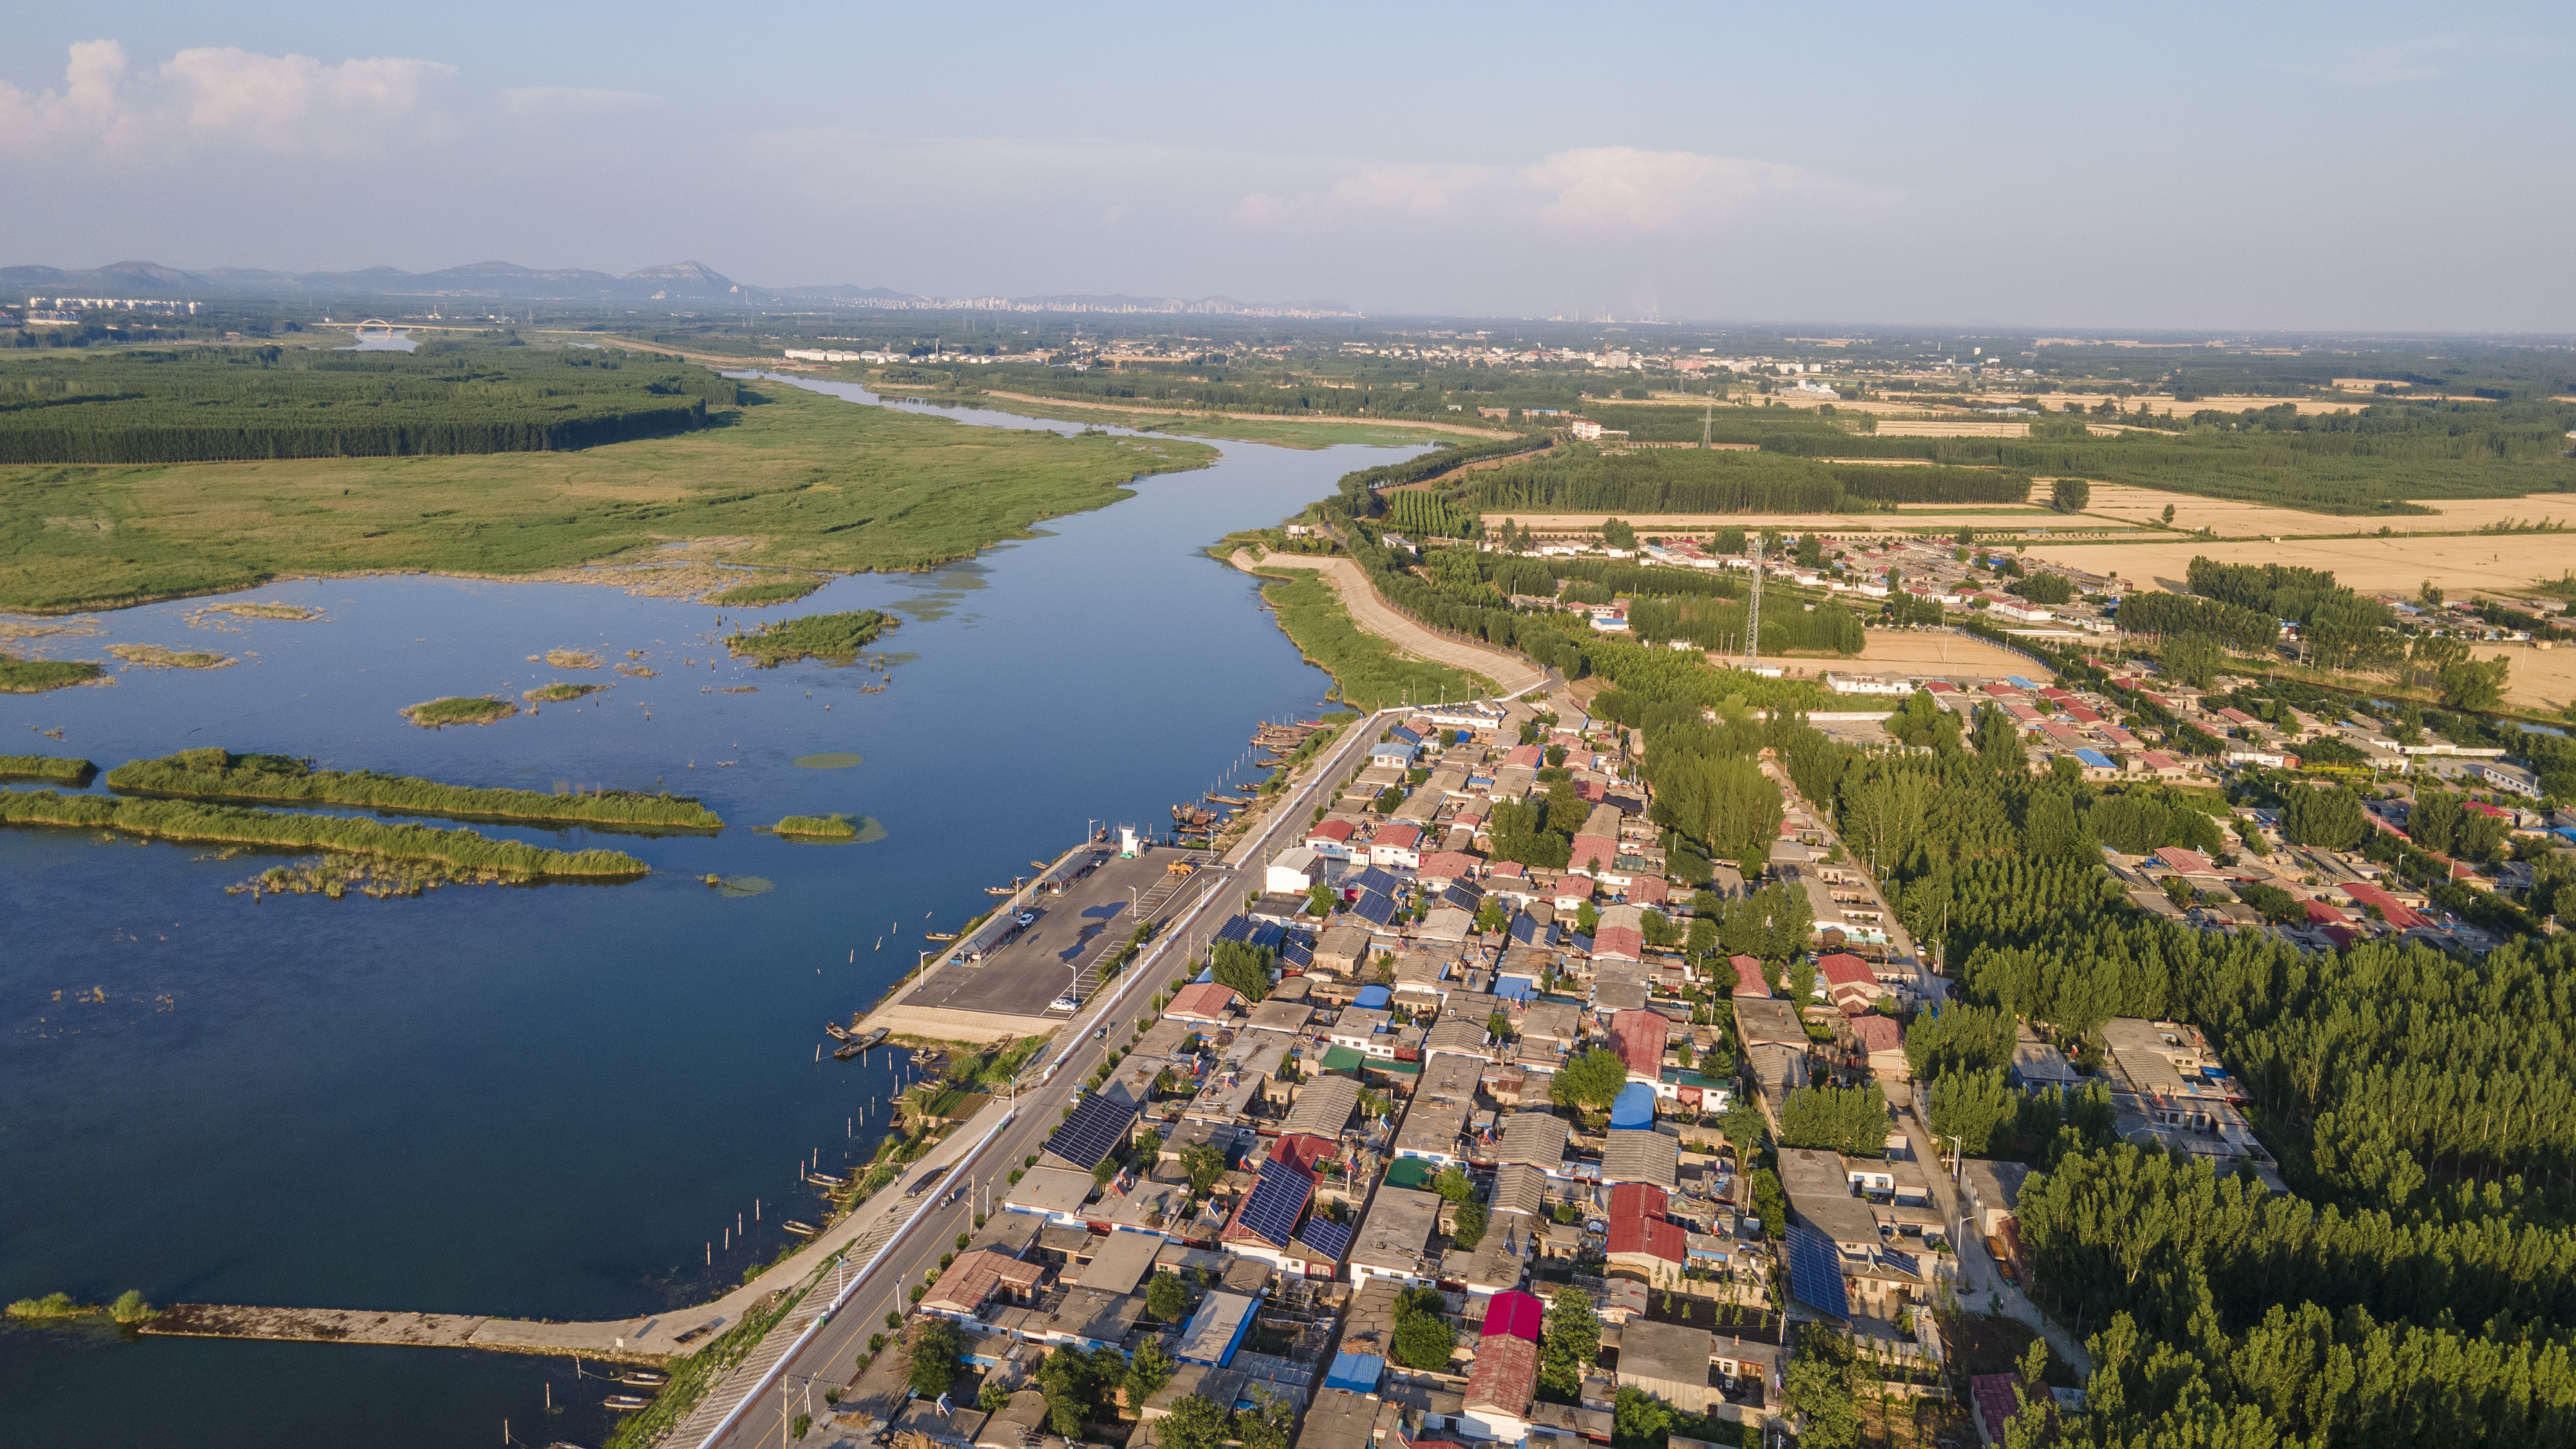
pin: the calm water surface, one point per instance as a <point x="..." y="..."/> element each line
<point x="548" y="1101"/>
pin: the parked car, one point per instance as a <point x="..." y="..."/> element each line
<point x="1028" y="919"/>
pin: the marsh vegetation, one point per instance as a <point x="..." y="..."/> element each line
<point x="560" y="692"/>
<point x="238" y="825"/>
<point x="464" y="709"/>
<point x="838" y="637"/>
<point x="821" y="827"/>
<point x="217" y="774"/>
<point x="771" y="591"/>
<point x="155" y="656"/>
<point x="54" y="768"/>
<point x="35" y="676"/>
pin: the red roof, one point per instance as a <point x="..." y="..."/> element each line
<point x="2398" y="914"/>
<point x="1400" y="834"/>
<point x="1447" y="865"/>
<point x="1506" y="1374"/>
<point x="1515" y="1315"/>
<point x="1649" y="890"/>
<point x="1302" y="1150"/>
<point x="1523" y="755"/>
<point x="1594" y="852"/>
<point x="1996" y="1402"/>
<point x="2079" y="712"/>
<point x="1748" y="977"/>
<point x="1638" y="1038"/>
<point x="2321" y="914"/>
<point x="2188" y="862"/>
<point x="1637" y="1200"/>
<point x="1331" y="830"/>
<point x="1878" y="1034"/>
<point x="1940" y="686"/>
<point x="1652" y="1236"/>
<point x="1845" y="969"/>
<point x="1625" y="943"/>
<point x="1202" y="1001"/>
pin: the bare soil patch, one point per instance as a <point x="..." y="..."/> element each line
<point x="1908" y="651"/>
<point x="2502" y="563"/>
<point x="2236" y="518"/>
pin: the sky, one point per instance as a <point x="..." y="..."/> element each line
<point x="2187" y="167"/>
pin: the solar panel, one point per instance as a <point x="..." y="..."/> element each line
<point x="1462" y="895"/>
<point x="1296" y="952"/>
<point x="1816" y="1271"/>
<point x="1271" y="1214"/>
<point x="1373" y="908"/>
<point x="1331" y="1238"/>
<point x="1252" y="933"/>
<point x="1373" y="879"/>
<point x="1091" y="1132"/>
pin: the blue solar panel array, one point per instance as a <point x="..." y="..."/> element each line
<point x="1373" y="879"/>
<point x="1267" y="934"/>
<point x="1296" y="951"/>
<point x="1091" y="1132"/>
<point x="1373" y="908"/>
<point x="1327" y="1236"/>
<point x="1276" y="1200"/>
<point x="1816" y="1271"/>
<point x="1464" y="896"/>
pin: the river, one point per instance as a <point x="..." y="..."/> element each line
<point x="549" y="1101"/>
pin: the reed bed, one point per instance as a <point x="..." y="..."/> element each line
<point x="218" y="774"/>
<point x="815" y="636"/>
<point x="55" y="768"/>
<point x="35" y="676"/>
<point x="831" y="827"/>
<point x="473" y="709"/>
<point x="238" y="825"/>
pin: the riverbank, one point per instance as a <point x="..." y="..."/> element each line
<point x="1325" y="603"/>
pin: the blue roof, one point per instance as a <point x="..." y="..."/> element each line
<point x="1373" y="998"/>
<point x="1634" y="1107"/>
<point x="1355" y="1373"/>
<point x="2095" y="758"/>
<point x="1516" y="988"/>
<point x="1405" y="736"/>
<point x="2016" y="679"/>
<point x="1816" y="1271"/>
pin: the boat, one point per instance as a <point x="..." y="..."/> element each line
<point x="872" y="1039"/>
<point x="838" y="1032"/>
<point x="939" y="935"/>
<point x="1012" y="889"/>
<point x="1214" y="798"/>
<point x="644" y="1378"/>
<point x="802" y="1230"/>
<point x="844" y="1053"/>
<point x="825" y="1179"/>
<point x="626" y="1403"/>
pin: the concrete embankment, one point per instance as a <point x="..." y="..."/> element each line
<point x="409" y="1330"/>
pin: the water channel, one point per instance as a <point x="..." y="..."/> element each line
<point x="549" y="1101"/>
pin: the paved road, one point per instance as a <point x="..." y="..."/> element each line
<point x="826" y="1357"/>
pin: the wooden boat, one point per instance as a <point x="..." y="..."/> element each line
<point x="838" y="1032"/>
<point x="1009" y="890"/>
<point x="871" y="1039"/>
<point x="1214" y="798"/>
<point x="644" y="1378"/>
<point x="802" y="1230"/>
<point x="939" y="935"/>
<point x="825" y="1179"/>
<point x="844" y="1053"/>
<point x="626" y="1403"/>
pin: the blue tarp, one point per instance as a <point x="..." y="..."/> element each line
<point x="2094" y="758"/>
<point x="1516" y="988"/>
<point x="1356" y="1373"/>
<point x="1634" y="1107"/>
<point x="1373" y="998"/>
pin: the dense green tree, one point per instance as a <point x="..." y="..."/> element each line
<point x="1569" y="1343"/>
<point x="1151" y="1368"/>
<point x="1244" y="967"/>
<point x="1423" y="1337"/>
<point x="1167" y="1298"/>
<point x="931" y="1349"/>
<point x="1195" y="1422"/>
<point x="1591" y="1080"/>
<point x="1849" y="1120"/>
<point x="1818" y="1389"/>
<point x="1958" y="1038"/>
<point x="2323" y="815"/>
<point x="2070" y="495"/>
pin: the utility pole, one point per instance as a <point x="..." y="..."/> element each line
<point x="1753" y="608"/>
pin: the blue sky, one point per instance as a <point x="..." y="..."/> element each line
<point x="2198" y="167"/>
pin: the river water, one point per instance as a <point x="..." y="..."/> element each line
<point x="550" y="1101"/>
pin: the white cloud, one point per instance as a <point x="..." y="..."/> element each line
<point x="212" y="97"/>
<point x="1622" y="189"/>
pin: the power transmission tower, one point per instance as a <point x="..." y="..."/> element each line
<point x="1708" y="413"/>
<point x="1753" y="608"/>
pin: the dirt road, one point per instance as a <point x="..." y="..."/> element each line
<point x="1510" y="672"/>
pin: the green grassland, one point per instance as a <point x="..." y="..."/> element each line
<point x="218" y="774"/>
<point x="35" y="676"/>
<point x="829" y="827"/>
<point x="278" y="829"/>
<point x="768" y="591"/>
<point x="459" y="709"/>
<point x="1367" y="671"/>
<point x="1279" y="432"/>
<point x="793" y="479"/>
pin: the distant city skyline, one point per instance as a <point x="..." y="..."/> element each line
<point x="2367" y="169"/>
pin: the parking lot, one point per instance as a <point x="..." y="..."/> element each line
<point x="1032" y="968"/>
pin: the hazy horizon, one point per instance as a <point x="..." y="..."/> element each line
<point x="2370" y="171"/>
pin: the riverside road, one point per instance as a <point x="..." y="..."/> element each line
<point x="827" y="1355"/>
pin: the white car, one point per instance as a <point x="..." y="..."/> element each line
<point x="1028" y="918"/>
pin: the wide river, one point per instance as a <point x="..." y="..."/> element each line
<point x="549" y="1102"/>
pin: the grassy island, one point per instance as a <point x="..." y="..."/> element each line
<point x="155" y="656"/>
<point x="816" y="636"/>
<point x="822" y="827"/>
<point x="35" y="676"/>
<point x="285" y="830"/>
<point x="216" y="774"/>
<point x="775" y="591"/>
<point x="54" y="768"/>
<point x="129" y="1307"/>
<point x="560" y="692"/>
<point x="464" y="709"/>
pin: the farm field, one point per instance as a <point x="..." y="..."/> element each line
<point x="2540" y="679"/>
<point x="1929" y="519"/>
<point x="2496" y="563"/>
<point x="1928" y="651"/>
<point x="2235" y="517"/>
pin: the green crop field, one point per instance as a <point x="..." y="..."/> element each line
<point x="792" y="479"/>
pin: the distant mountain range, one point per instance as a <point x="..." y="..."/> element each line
<point x="689" y="284"/>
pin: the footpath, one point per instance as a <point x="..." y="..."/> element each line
<point x="1510" y="673"/>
